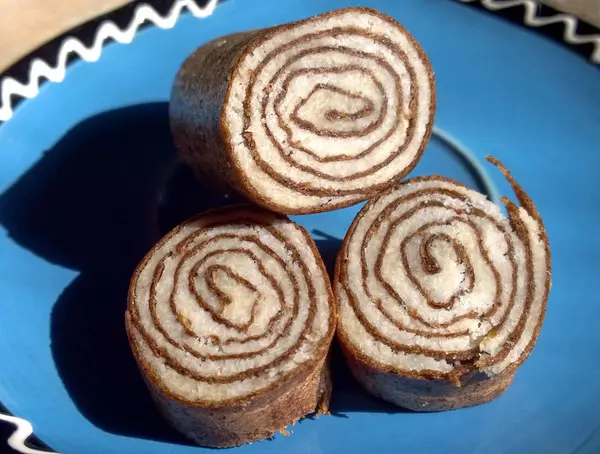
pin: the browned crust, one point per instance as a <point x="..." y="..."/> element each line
<point x="468" y="385"/>
<point x="419" y="394"/>
<point x="225" y="427"/>
<point x="205" y="143"/>
<point x="251" y="410"/>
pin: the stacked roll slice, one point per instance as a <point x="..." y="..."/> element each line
<point x="441" y="296"/>
<point x="230" y="318"/>
<point x="308" y="116"/>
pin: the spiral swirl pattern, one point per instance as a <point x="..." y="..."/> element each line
<point x="434" y="282"/>
<point x="228" y="305"/>
<point x="327" y="111"/>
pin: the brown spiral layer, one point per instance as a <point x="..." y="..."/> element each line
<point x="229" y="305"/>
<point x="434" y="282"/>
<point x="317" y="114"/>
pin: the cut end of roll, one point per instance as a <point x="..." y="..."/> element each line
<point x="230" y="318"/>
<point x="315" y="115"/>
<point x="336" y="108"/>
<point x="434" y="284"/>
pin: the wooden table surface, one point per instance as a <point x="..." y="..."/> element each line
<point x="27" y="24"/>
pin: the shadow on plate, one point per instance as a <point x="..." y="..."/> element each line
<point x="91" y="204"/>
<point x="96" y="203"/>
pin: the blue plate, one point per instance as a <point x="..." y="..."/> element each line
<point x="87" y="185"/>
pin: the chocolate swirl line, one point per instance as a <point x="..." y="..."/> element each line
<point x="328" y="110"/>
<point x="229" y="305"/>
<point x="434" y="282"/>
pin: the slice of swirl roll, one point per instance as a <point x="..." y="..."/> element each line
<point x="441" y="297"/>
<point x="308" y="116"/>
<point x="230" y="319"/>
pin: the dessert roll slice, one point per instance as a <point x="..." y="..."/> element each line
<point x="441" y="297"/>
<point x="307" y="116"/>
<point x="230" y="319"/>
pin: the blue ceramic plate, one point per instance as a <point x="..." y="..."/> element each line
<point x="86" y="188"/>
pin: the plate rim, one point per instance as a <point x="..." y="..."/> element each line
<point x="534" y="15"/>
<point x="22" y="439"/>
